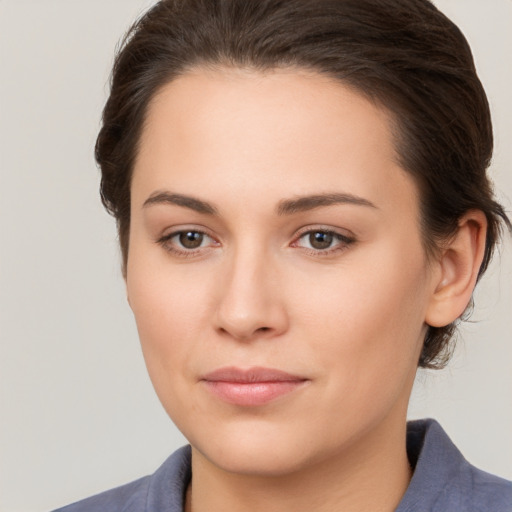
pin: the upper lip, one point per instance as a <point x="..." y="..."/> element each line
<point x="250" y="375"/>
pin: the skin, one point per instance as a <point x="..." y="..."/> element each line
<point x="350" y="319"/>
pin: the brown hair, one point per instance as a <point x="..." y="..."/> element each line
<point x="403" y="54"/>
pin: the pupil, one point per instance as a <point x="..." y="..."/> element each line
<point x="191" y="239"/>
<point x="320" y="240"/>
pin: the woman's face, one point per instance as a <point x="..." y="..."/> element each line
<point x="276" y="269"/>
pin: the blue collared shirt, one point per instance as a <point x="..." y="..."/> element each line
<point x="443" y="481"/>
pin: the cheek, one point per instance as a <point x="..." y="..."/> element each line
<point x="368" y="320"/>
<point x="166" y="299"/>
<point x="169" y="310"/>
<point x="168" y="322"/>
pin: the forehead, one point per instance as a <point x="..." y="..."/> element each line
<point x="284" y="131"/>
<point x="235" y="103"/>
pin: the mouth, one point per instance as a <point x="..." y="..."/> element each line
<point x="253" y="386"/>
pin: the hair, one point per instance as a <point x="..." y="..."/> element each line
<point x="404" y="55"/>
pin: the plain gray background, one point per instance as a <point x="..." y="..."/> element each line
<point x="78" y="414"/>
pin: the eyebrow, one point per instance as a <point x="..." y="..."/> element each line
<point x="285" y="207"/>
<point x="305" y="203"/>
<point x="180" y="200"/>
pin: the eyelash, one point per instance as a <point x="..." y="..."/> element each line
<point x="165" y="242"/>
<point x="343" y="242"/>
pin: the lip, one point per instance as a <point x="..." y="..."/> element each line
<point x="252" y="386"/>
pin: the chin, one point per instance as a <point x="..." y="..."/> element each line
<point x="258" y="450"/>
<point x="254" y="461"/>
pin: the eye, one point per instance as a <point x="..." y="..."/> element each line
<point x="190" y="239"/>
<point x="323" y="241"/>
<point x="186" y="241"/>
<point x="320" y="240"/>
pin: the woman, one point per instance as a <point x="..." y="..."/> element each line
<point x="303" y="213"/>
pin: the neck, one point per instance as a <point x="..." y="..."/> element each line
<point x="371" y="476"/>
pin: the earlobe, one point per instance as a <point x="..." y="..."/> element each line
<point x="459" y="265"/>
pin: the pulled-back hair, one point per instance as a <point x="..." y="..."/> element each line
<point x="404" y="55"/>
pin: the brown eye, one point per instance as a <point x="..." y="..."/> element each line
<point x="187" y="242"/>
<point x="320" y="239"/>
<point x="323" y="242"/>
<point x="191" y="239"/>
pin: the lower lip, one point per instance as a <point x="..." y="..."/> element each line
<point x="252" y="393"/>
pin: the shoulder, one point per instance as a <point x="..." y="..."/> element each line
<point x="130" y="496"/>
<point x="162" y="491"/>
<point x="489" y="492"/>
<point x="444" y="481"/>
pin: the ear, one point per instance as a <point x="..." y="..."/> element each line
<point x="458" y="267"/>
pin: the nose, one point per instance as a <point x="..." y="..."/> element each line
<point x="251" y="303"/>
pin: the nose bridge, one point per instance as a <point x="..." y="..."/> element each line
<point x="250" y="303"/>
